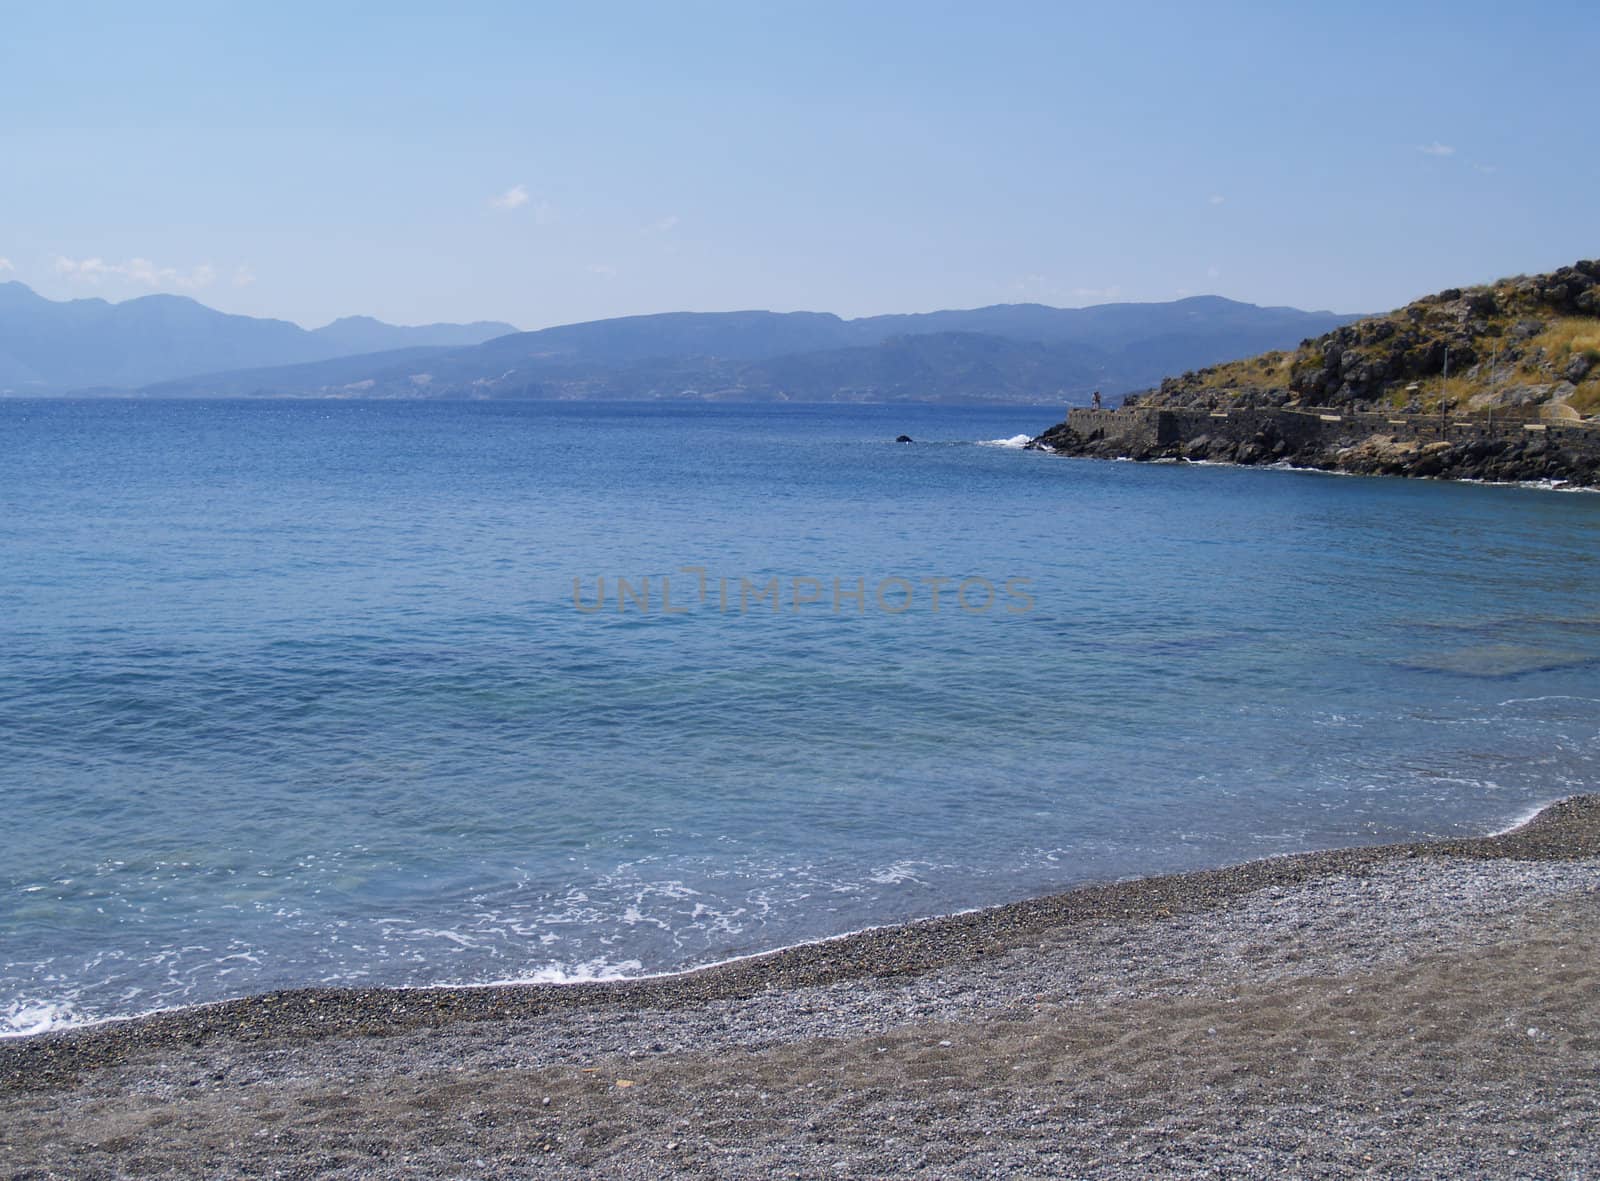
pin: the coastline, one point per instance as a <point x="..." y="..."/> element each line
<point x="1286" y="466"/>
<point x="1539" y="485"/>
<point x="1555" y="453"/>
<point x="975" y="990"/>
<point x="1564" y="829"/>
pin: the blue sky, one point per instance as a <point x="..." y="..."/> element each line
<point x="543" y="164"/>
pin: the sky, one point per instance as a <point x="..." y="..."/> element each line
<point x="545" y="164"/>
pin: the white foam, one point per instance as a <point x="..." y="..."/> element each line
<point x="585" y="973"/>
<point x="1016" y="441"/>
<point x="1548" y="697"/>
<point x="455" y="937"/>
<point x="899" y="872"/>
<point x="26" y="1018"/>
<point x="1527" y="817"/>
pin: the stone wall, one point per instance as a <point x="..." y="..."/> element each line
<point x="1477" y="448"/>
<point x="1141" y="430"/>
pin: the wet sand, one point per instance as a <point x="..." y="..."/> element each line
<point x="1416" y="1010"/>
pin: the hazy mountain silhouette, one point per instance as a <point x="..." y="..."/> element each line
<point x="50" y="346"/>
<point x="171" y="346"/>
<point x="1007" y="353"/>
<point x="363" y="334"/>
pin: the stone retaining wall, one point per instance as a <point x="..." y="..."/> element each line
<point x="1140" y="430"/>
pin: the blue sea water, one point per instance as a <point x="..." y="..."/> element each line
<point x="298" y="693"/>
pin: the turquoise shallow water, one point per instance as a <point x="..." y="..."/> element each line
<point x="297" y="692"/>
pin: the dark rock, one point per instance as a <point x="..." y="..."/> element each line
<point x="1577" y="368"/>
<point x="1263" y="435"/>
<point x="904" y="439"/>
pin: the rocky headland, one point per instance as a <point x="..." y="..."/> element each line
<point x="1499" y="382"/>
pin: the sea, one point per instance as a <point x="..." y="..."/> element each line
<point x="420" y="693"/>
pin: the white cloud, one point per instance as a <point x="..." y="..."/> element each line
<point x="243" y="276"/>
<point x="1104" y="294"/>
<point x="1436" y="149"/>
<point x="602" y="269"/>
<point x="666" y="223"/>
<point x="516" y="197"/>
<point x="1487" y="169"/>
<point x="513" y="198"/>
<point x="1215" y="199"/>
<point x="1213" y="273"/>
<point x="139" y="271"/>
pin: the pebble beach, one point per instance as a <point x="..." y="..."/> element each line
<point x="1409" y="1010"/>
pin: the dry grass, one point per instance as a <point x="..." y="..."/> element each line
<point x="1543" y="360"/>
<point x="1455" y="390"/>
<point x="1569" y="336"/>
<point x="1587" y="400"/>
<point x="1268" y="371"/>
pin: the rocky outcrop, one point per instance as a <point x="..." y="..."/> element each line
<point x="1500" y="382"/>
<point x="1424" y="446"/>
<point x="1496" y="345"/>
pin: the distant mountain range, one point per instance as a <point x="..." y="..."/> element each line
<point x="167" y="346"/>
<point x="55" y="347"/>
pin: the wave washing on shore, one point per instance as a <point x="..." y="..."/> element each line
<point x="298" y="693"/>
<point x="25" y="1021"/>
<point x="1286" y="466"/>
<point x="1444" y="987"/>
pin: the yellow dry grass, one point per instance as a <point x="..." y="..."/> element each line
<point x="1568" y="336"/>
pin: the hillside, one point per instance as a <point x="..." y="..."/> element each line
<point x="350" y="335"/>
<point x="951" y="367"/>
<point x="1528" y="345"/>
<point x="1498" y="383"/>
<point x="1023" y="353"/>
<point x="58" y="346"/>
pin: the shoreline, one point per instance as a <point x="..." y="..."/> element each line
<point x="1540" y="485"/>
<point x="1421" y="1009"/>
<point x="1362" y="442"/>
<point x="753" y="958"/>
<point x="1565" y="829"/>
